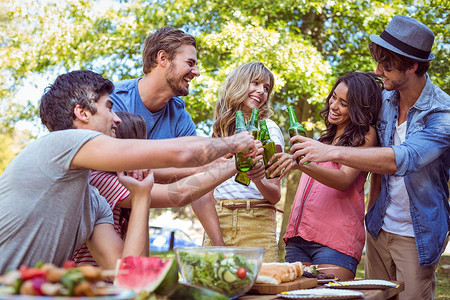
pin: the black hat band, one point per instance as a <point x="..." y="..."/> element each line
<point x="404" y="47"/>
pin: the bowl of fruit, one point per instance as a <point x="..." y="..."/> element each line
<point x="227" y="270"/>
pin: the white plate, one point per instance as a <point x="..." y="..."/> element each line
<point x="363" y="284"/>
<point x="122" y="295"/>
<point x="322" y="294"/>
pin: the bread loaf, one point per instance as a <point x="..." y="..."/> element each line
<point x="269" y="276"/>
<point x="276" y="273"/>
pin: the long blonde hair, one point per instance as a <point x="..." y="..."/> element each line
<point x="233" y="94"/>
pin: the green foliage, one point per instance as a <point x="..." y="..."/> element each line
<point x="10" y="144"/>
<point x="307" y="44"/>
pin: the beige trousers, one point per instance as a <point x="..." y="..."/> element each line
<point x="248" y="227"/>
<point x="394" y="257"/>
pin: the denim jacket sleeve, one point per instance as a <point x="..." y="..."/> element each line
<point x="426" y="140"/>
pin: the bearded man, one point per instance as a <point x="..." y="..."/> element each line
<point x="169" y="64"/>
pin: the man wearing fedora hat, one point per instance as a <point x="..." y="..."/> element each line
<point x="408" y="219"/>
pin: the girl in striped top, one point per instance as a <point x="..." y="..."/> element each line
<point x="118" y="196"/>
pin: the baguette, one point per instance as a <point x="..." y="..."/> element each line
<point x="289" y="271"/>
<point x="299" y="267"/>
<point x="269" y="276"/>
<point x="276" y="273"/>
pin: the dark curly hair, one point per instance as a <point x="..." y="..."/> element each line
<point x="364" y="103"/>
<point x="82" y="88"/>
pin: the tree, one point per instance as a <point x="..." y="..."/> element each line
<point x="307" y="44"/>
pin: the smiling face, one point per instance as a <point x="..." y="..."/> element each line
<point x="105" y="119"/>
<point x="182" y="69"/>
<point x="392" y="79"/>
<point x="258" y="93"/>
<point x="338" y="113"/>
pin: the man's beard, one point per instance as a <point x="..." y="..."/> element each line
<point x="395" y="85"/>
<point x="171" y="80"/>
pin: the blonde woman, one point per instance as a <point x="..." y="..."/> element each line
<point x="247" y="213"/>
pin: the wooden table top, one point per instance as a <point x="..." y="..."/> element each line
<point x="370" y="294"/>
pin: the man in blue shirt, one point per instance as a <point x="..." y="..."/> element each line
<point x="408" y="224"/>
<point x="169" y="64"/>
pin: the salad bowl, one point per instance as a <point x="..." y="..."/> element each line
<point x="228" y="270"/>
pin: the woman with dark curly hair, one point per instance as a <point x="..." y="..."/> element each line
<point x="326" y="225"/>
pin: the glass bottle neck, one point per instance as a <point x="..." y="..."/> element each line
<point x="292" y="116"/>
<point x="240" y="123"/>
<point x="254" y="118"/>
<point x="264" y="133"/>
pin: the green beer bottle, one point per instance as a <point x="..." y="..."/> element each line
<point x="243" y="164"/>
<point x="268" y="145"/>
<point x="251" y="126"/>
<point x="296" y="128"/>
<point x="242" y="178"/>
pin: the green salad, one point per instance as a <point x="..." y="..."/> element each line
<point x="229" y="275"/>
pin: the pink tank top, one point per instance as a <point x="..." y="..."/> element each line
<point x="329" y="217"/>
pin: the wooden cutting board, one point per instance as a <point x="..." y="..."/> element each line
<point x="273" y="289"/>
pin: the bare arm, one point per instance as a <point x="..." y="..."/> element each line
<point x="270" y="189"/>
<point x="169" y="175"/>
<point x="373" y="159"/>
<point x="110" y="154"/>
<point x="340" y="179"/>
<point x="189" y="189"/>
<point x="105" y="244"/>
<point x="205" y="209"/>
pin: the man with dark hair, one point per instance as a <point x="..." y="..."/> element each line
<point x="408" y="224"/>
<point x="48" y="209"/>
<point x="169" y="64"/>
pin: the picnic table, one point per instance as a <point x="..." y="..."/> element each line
<point x="369" y="294"/>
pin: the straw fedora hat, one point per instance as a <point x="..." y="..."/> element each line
<point x="408" y="37"/>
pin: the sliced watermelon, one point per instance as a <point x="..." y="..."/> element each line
<point x="150" y="274"/>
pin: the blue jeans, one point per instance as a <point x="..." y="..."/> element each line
<point x="298" y="249"/>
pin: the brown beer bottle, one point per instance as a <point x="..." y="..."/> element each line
<point x="268" y="145"/>
<point x="296" y="128"/>
<point x="243" y="164"/>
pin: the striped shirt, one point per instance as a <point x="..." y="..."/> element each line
<point x="231" y="190"/>
<point x="109" y="187"/>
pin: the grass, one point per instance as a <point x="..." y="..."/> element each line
<point x="442" y="277"/>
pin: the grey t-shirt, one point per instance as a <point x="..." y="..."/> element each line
<point x="47" y="211"/>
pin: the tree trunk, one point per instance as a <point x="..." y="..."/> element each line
<point x="291" y="188"/>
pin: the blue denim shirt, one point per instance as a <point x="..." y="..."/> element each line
<point x="423" y="160"/>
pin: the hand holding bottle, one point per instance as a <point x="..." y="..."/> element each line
<point x="258" y="172"/>
<point x="281" y="162"/>
<point x="310" y="150"/>
<point x="241" y="142"/>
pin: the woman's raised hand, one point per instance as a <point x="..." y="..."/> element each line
<point x="284" y="164"/>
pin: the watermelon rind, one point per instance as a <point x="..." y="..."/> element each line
<point x="167" y="286"/>
<point x="185" y="291"/>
